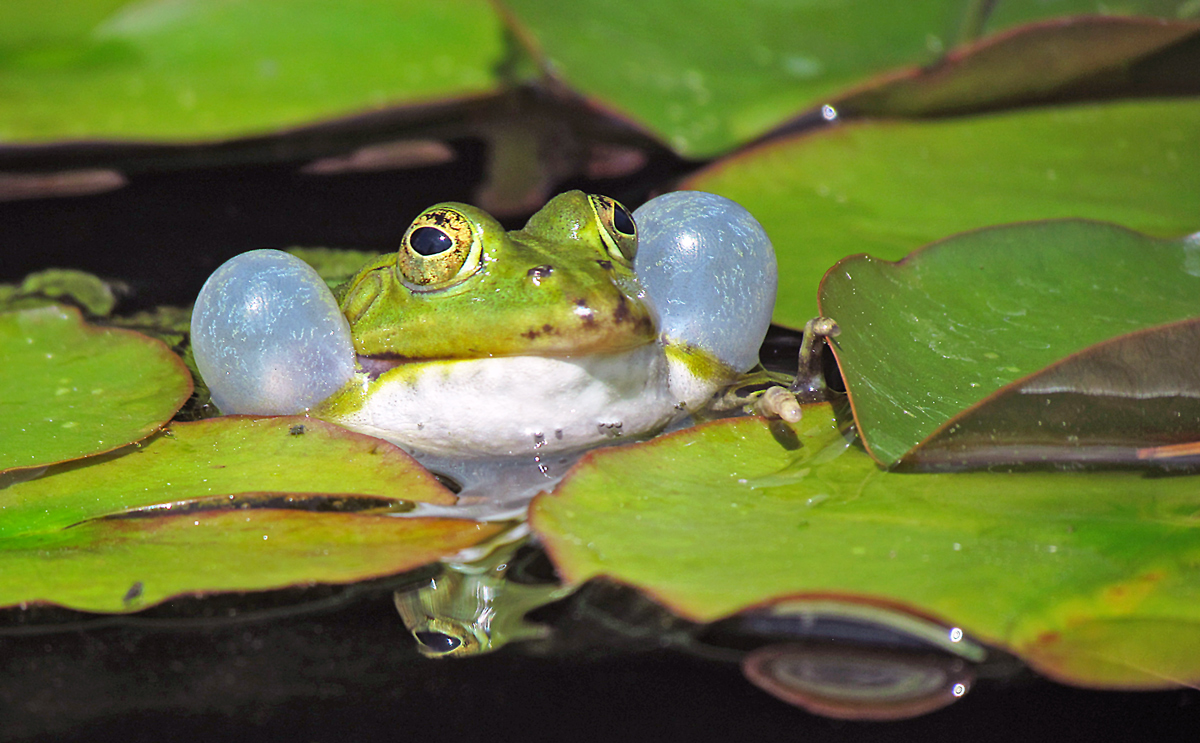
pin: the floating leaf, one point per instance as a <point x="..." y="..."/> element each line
<point x="70" y="390"/>
<point x="887" y="188"/>
<point x="226" y="504"/>
<point x="707" y="76"/>
<point x="214" y="459"/>
<point x="1010" y="12"/>
<point x="163" y="70"/>
<point x="1048" y="565"/>
<point x="1029" y="64"/>
<point x="935" y="334"/>
<point x="121" y="565"/>
<point x="1131" y="400"/>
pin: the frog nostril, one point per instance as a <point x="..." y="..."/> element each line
<point x="537" y="273"/>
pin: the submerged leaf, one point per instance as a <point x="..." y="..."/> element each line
<point x="71" y="390"/>
<point x="935" y="334"/>
<point x="59" y="286"/>
<point x="1048" y="565"/>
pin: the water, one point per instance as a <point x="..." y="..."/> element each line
<point x="330" y="663"/>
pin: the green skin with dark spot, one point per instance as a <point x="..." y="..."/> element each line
<point x="550" y="289"/>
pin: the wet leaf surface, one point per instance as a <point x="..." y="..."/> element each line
<point x="1132" y="400"/>
<point x="200" y="71"/>
<point x="937" y="333"/>
<point x="71" y="390"/>
<point x="227" y="504"/>
<point x="1010" y="12"/>
<point x="1040" y="563"/>
<point x="212" y="459"/>
<point x="707" y="76"/>
<point x="120" y="565"/>
<point x="1028" y="64"/>
<point x="887" y="188"/>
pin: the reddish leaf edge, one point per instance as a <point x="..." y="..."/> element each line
<point x="163" y="351"/>
<point x="834" y="343"/>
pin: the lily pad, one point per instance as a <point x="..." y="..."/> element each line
<point x="887" y="188"/>
<point x="226" y="504"/>
<point x="71" y="390"/>
<point x="1078" y="573"/>
<point x="1030" y="63"/>
<point x="706" y="76"/>
<point x="929" y="337"/>
<point x="215" y="459"/>
<point x="165" y="70"/>
<point x="1132" y="400"/>
<point x="1009" y="12"/>
<point x="121" y="565"/>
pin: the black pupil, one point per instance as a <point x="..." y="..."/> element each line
<point x="430" y="241"/>
<point x="437" y="641"/>
<point x="622" y="220"/>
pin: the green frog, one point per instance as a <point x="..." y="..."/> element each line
<point x="473" y="341"/>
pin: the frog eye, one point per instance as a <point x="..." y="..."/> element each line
<point x="619" y="231"/>
<point x="440" y="247"/>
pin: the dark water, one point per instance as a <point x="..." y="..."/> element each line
<point x="346" y="668"/>
<point x="351" y="673"/>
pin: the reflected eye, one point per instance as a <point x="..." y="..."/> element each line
<point x="438" y="643"/>
<point x="618" y="229"/>
<point x="441" y="247"/>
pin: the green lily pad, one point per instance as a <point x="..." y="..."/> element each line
<point x="214" y="459"/>
<point x="1131" y="400"/>
<point x="927" y="338"/>
<point x="706" y="76"/>
<point x="166" y="70"/>
<point x="71" y="390"/>
<point x="226" y="504"/>
<point x="887" y="188"/>
<point x="1010" y="12"/>
<point x="1047" y="565"/>
<point x="1029" y="64"/>
<point x="121" y="565"/>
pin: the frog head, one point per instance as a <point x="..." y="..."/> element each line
<point x="461" y="287"/>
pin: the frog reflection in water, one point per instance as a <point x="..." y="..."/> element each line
<point x="475" y="608"/>
<point x="471" y="341"/>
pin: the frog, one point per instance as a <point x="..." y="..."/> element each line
<point x="474" y="341"/>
